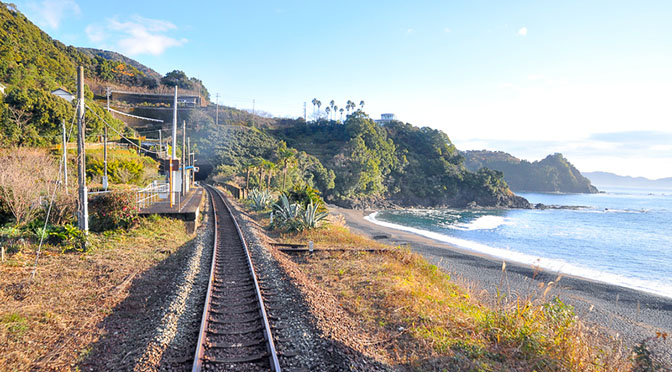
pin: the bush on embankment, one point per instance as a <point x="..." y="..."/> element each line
<point x="114" y="210"/>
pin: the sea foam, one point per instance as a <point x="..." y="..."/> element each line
<point x="483" y="223"/>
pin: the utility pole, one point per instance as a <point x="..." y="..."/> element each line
<point x="107" y="93"/>
<point x="105" y="159"/>
<point x="174" y="152"/>
<point x="160" y="143"/>
<point x="83" y="216"/>
<point x="305" y="118"/>
<point x="184" y="150"/>
<point x="65" y="157"/>
<point x="217" y="110"/>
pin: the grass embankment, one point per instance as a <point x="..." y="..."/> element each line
<point x="430" y="323"/>
<point x="50" y="321"/>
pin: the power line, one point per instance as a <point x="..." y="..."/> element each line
<point x="120" y="135"/>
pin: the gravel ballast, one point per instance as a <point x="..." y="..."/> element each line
<point x="156" y="326"/>
<point x="311" y="331"/>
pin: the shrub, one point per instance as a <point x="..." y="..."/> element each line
<point x="26" y="175"/>
<point x="311" y="217"/>
<point x="259" y="199"/>
<point x="294" y="217"/>
<point x="113" y="211"/>
<point x="285" y="214"/>
<point x="123" y="166"/>
<point x="67" y="236"/>
<point x="305" y="195"/>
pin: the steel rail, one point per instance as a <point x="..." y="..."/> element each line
<point x="270" y="345"/>
<point x="198" y="356"/>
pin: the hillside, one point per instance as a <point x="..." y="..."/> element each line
<point x="32" y="64"/>
<point x="396" y="163"/>
<point x="117" y="57"/>
<point x="551" y="174"/>
<point x="611" y="179"/>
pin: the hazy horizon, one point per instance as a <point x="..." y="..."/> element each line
<point x="589" y="80"/>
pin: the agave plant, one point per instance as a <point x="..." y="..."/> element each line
<point x="311" y="217"/>
<point x="286" y="213"/>
<point x="259" y="199"/>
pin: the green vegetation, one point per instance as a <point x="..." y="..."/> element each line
<point x="259" y="199"/>
<point x="123" y="167"/>
<point x="352" y="163"/>
<point x="552" y="174"/>
<point x="114" y="210"/>
<point x="397" y="162"/>
<point x="32" y="65"/>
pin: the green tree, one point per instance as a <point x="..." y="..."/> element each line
<point x="177" y="78"/>
<point x="286" y="157"/>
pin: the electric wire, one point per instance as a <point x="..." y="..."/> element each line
<point x="120" y="135"/>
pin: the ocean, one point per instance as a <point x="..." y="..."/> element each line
<point x="622" y="236"/>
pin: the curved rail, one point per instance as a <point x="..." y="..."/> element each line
<point x="220" y="268"/>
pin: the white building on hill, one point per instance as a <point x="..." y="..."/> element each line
<point x="386" y="118"/>
<point x="64" y="94"/>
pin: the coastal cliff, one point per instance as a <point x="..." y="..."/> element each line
<point x="552" y="174"/>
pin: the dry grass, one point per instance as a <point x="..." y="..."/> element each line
<point x="430" y="323"/>
<point x="48" y="323"/>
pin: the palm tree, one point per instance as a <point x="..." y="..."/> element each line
<point x="341" y="110"/>
<point x="335" y="108"/>
<point x="286" y="157"/>
<point x="269" y="167"/>
<point x="248" y="165"/>
<point x="318" y="107"/>
<point x="314" y="102"/>
<point x="349" y="105"/>
<point x="361" y="104"/>
<point x="328" y="110"/>
<point x="258" y="163"/>
<point x="331" y="104"/>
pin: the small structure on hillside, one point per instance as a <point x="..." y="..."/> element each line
<point x="386" y="118"/>
<point x="64" y="94"/>
<point x="2" y="89"/>
<point x="157" y="100"/>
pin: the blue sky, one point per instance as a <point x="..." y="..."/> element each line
<point x="590" y="79"/>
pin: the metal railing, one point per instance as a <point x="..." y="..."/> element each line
<point x="154" y="192"/>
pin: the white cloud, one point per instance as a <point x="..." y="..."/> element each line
<point x="447" y="30"/>
<point x="138" y="35"/>
<point x="410" y="30"/>
<point x="50" y="13"/>
<point x="522" y="31"/>
<point x="95" y="33"/>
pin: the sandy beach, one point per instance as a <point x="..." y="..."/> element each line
<point x="634" y="315"/>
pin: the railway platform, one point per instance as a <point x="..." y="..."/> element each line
<point x="186" y="208"/>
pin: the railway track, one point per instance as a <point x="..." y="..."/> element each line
<point x="235" y="333"/>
